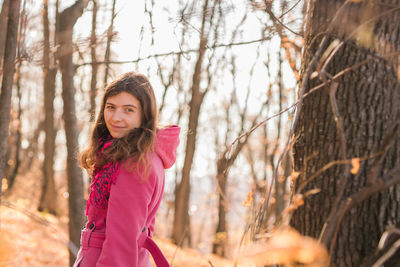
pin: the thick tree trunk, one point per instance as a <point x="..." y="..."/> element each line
<point x="3" y="30"/>
<point x="76" y="204"/>
<point x="7" y="81"/>
<point x="48" y="199"/>
<point x="366" y="101"/>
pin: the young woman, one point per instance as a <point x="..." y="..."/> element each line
<point x="126" y="158"/>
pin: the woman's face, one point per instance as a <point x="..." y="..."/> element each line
<point x="122" y="113"/>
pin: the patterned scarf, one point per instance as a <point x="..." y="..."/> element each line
<point x="102" y="180"/>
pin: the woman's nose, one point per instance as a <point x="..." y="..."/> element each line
<point x="116" y="116"/>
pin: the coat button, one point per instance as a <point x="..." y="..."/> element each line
<point x="91" y="226"/>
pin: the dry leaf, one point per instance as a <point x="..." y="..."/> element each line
<point x="249" y="199"/>
<point x="312" y="192"/>
<point x="286" y="247"/>
<point x="294" y="176"/>
<point x="314" y="75"/>
<point x="297" y="201"/>
<point x="355" y="163"/>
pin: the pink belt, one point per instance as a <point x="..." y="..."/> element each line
<point x="90" y="238"/>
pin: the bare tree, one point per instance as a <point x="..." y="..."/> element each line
<point x="181" y="226"/>
<point x="3" y="29"/>
<point x="64" y="31"/>
<point x="228" y="156"/>
<point x="93" y="46"/>
<point x="7" y="81"/>
<point x="15" y="139"/>
<point x="107" y="54"/>
<point x="48" y="199"/>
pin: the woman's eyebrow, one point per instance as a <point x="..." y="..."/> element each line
<point x="126" y="105"/>
<point x="129" y="105"/>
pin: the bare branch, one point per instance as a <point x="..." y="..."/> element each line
<point x="172" y="53"/>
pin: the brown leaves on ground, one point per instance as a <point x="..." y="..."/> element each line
<point x="287" y="247"/>
<point x="30" y="243"/>
<point x="25" y="242"/>
<point x="6" y="248"/>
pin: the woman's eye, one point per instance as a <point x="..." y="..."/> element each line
<point x="110" y="107"/>
<point x="129" y="110"/>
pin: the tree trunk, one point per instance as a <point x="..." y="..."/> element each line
<point x="48" y="199"/>
<point x="225" y="161"/>
<point x="108" y="46"/>
<point x="3" y="30"/>
<point x="93" y="81"/>
<point x="221" y="233"/>
<point x="14" y="141"/>
<point x="7" y="81"/>
<point x="181" y="226"/>
<point x="355" y="116"/>
<point x="67" y="20"/>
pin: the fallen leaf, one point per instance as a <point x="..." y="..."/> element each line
<point x="355" y="163"/>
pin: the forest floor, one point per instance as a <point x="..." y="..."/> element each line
<point x="29" y="238"/>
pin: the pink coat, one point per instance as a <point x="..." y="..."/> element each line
<point x="113" y="237"/>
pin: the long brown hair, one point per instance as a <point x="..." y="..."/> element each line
<point x="138" y="142"/>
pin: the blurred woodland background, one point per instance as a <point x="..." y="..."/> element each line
<point x="290" y="149"/>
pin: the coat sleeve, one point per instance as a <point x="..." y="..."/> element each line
<point x="128" y="208"/>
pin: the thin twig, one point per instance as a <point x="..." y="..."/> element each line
<point x="290" y="9"/>
<point x="388" y="254"/>
<point x="271" y="14"/>
<point x="385" y="236"/>
<point x="172" y="53"/>
<point x="312" y="90"/>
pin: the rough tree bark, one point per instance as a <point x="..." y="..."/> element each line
<point x="3" y="29"/>
<point x="64" y="31"/>
<point x="48" y="199"/>
<point x="10" y="52"/>
<point x="355" y="116"/>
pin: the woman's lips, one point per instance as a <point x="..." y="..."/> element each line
<point x="117" y="127"/>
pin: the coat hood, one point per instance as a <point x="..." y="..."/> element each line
<point x="167" y="141"/>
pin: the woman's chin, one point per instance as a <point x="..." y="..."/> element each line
<point x="117" y="135"/>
